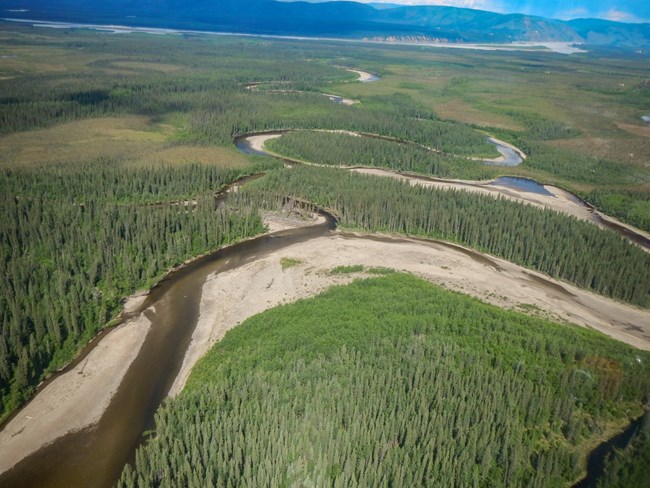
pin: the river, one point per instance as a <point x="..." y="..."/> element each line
<point x="523" y="184"/>
<point x="510" y="155"/>
<point x="596" y="461"/>
<point x="568" y="203"/>
<point x="96" y="456"/>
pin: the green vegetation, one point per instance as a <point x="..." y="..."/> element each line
<point x="393" y="381"/>
<point x="353" y="268"/>
<point x="113" y="148"/>
<point x="629" y="206"/>
<point x="567" y="166"/>
<point x="553" y="243"/>
<point x="72" y="247"/>
<point x="349" y="150"/>
<point x="379" y="271"/>
<point x="289" y="262"/>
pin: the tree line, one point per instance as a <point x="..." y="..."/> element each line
<point x="72" y="247"/>
<point x="541" y="239"/>
<point x="349" y="150"/>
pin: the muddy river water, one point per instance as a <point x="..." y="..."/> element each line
<point x="96" y="456"/>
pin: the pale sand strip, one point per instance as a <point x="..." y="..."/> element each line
<point x="76" y="399"/>
<point x="364" y="76"/>
<point x="257" y="142"/>
<point x="231" y="297"/>
<point x="560" y="201"/>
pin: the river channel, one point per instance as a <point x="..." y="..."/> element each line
<point x="96" y="456"/>
<point x="247" y="144"/>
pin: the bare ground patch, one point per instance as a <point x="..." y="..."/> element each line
<point x="639" y="130"/>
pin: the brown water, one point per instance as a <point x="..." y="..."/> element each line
<point x="96" y="456"/>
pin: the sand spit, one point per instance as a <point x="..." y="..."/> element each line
<point x="76" y="399"/>
<point x="277" y="222"/>
<point x="257" y="142"/>
<point x="560" y="201"/>
<point x="229" y="298"/>
<point x="363" y="76"/>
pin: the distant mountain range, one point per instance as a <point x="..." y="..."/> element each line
<point x="333" y="19"/>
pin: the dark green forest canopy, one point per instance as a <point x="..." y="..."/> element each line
<point x="545" y="240"/>
<point x="72" y="247"/>
<point x="353" y="150"/>
<point x="460" y="158"/>
<point x="393" y="381"/>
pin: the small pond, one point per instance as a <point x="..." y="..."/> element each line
<point x="521" y="184"/>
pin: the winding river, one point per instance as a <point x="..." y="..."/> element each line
<point x="95" y="456"/>
<point x="526" y="189"/>
<point x="510" y="155"/>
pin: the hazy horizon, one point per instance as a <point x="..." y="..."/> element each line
<point x="634" y="11"/>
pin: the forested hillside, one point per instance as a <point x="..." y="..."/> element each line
<point x="393" y="381"/>
<point x="545" y="240"/>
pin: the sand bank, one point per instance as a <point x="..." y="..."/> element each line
<point x="560" y="200"/>
<point x="77" y="399"/>
<point x="257" y="142"/>
<point x="363" y="76"/>
<point x="231" y="297"/>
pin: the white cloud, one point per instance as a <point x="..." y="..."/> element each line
<point x="618" y="16"/>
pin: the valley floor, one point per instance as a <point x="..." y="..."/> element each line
<point x="230" y="297"/>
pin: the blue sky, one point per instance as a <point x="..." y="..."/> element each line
<point x="620" y="10"/>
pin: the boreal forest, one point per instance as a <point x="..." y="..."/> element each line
<point x="255" y="261"/>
